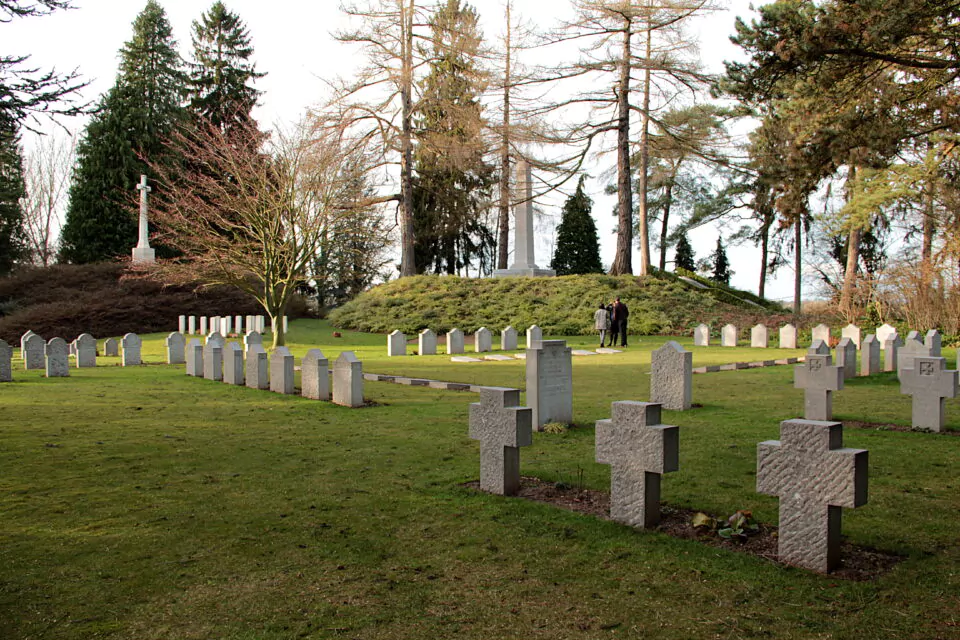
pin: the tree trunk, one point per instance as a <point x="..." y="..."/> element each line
<point x="622" y="262"/>
<point x="644" y="163"/>
<point x="853" y="258"/>
<point x="797" y="265"/>
<point x="504" y="226"/>
<point x="664" y="226"/>
<point x="279" y="337"/>
<point x="929" y="228"/>
<point x="407" y="265"/>
<point x="764" y="253"/>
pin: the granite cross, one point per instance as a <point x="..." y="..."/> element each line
<point x="502" y="426"/>
<point x="930" y="384"/>
<point x="818" y="379"/>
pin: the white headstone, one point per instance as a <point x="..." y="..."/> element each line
<point x="281" y="371"/>
<point x="397" y="344"/>
<point x="57" y="358"/>
<point x="238" y="325"/>
<point x="821" y="332"/>
<point x="884" y="332"/>
<point x="483" y="340"/>
<point x="759" y="337"/>
<point x="176" y="348"/>
<point x="728" y="336"/>
<point x="671" y="377"/>
<point x="550" y="383"/>
<point x="315" y="375"/>
<point x="86" y="351"/>
<point x="182" y="324"/>
<point x="788" y="337"/>
<point x="851" y="331"/>
<point x="23" y="342"/>
<point x="192" y="325"/>
<point x="534" y="337"/>
<point x="454" y="341"/>
<point x="348" y="380"/>
<point x="204" y="326"/>
<point x="427" y="343"/>
<point x="130" y="350"/>
<point x="508" y="339"/>
<point x="701" y="336"/>
<point x="226" y="325"/>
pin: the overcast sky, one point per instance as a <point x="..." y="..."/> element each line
<point x="294" y="47"/>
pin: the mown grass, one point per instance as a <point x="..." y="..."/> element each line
<point x="140" y="503"/>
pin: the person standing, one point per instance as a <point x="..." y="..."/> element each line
<point x="601" y="322"/>
<point x="620" y="315"/>
<point x="614" y="328"/>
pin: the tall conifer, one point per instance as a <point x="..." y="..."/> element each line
<point x="12" y="240"/>
<point x="578" y="248"/>
<point x="683" y="257"/>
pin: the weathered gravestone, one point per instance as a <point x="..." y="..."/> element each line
<point x="930" y="384"/>
<point x="482" y="340"/>
<point x="396" y="344"/>
<point x="213" y="361"/>
<point x="639" y="450"/>
<point x="257" y="367"/>
<point x="819" y="348"/>
<point x="33" y="352"/>
<point x="111" y="347"/>
<point x="701" y="336"/>
<point x="759" y="336"/>
<point x="6" y="362"/>
<point x="315" y="375"/>
<point x="427" y="343"/>
<point x="233" y="364"/>
<point x="502" y="426"/>
<point x="847" y="358"/>
<point x="182" y="324"/>
<point x="194" y="358"/>
<point x="23" y="345"/>
<point x="192" y="325"/>
<point x="204" y="326"/>
<point x="86" y="346"/>
<point x="216" y="338"/>
<point x="281" y="371"/>
<point x="788" y="337"/>
<point x="671" y="377"/>
<point x="891" y="351"/>
<point x="933" y="341"/>
<point x="252" y="338"/>
<point x="819" y="379"/>
<point x="550" y="383"/>
<point x="884" y="332"/>
<point x="821" y="332"/>
<point x="814" y="477"/>
<point x="728" y="336"/>
<point x="508" y="339"/>
<point x="454" y="341"/>
<point x="176" y="348"/>
<point x="348" y="380"/>
<point x="870" y="356"/>
<point x="913" y="347"/>
<point x="534" y="336"/>
<point x="851" y="331"/>
<point x="130" y="350"/>
<point x="57" y="358"/>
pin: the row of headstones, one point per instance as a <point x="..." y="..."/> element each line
<point x="483" y="341"/>
<point x="226" y="325"/>
<point x="54" y="355"/>
<point x="224" y="361"/>
<point x="807" y="468"/>
<point x="760" y="335"/>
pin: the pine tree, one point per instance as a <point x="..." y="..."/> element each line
<point x="578" y="247"/>
<point x="684" y="258"/>
<point x="134" y="121"/>
<point x="721" y="266"/>
<point x="221" y="71"/>
<point x="12" y="240"/>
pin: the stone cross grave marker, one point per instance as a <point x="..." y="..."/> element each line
<point x="788" y="337"/>
<point x="851" y="331"/>
<point x="508" y="339"/>
<point x="819" y="379"/>
<point x="671" y="377"/>
<point x="194" y="358"/>
<point x="6" y="362"/>
<point x="142" y="253"/>
<point x="870" y="356"/>
<point x="315" y="375"/>
<point x="913" y="347"/>
<point x="483" y="340"/>
<point x="348" y="380"/>
<point x="281" y="371"/>
<point x="233" y="372"/>
<point x="728" y="336"/>
<point x="57" y="358"/>
<point x="86" y="351"/>
<point x="252" y="338"/>
<point x="427" y="343"/>
<point x="759" y="336"/>
<point x="397" y="344"/>
<point x="130" y="350"/>
<point x="213" y="360"/>
<point x="502" y="426"/>
<point x="192" y="325"/>
<point x="821" y="332"/>
<point x="454" y="341"/>
<point x="34" y="348"/>
<point x="930" y="384"/>
<point x="701" y="336"/>
<point x="891" y="350"/>
<point x="639" y="450"/>
<point x="814" y="477"/>
<point x="257" y="375"/>
<point x="176" y="348"/>
<point x="550" y="383"/>
<point x="534" y="336"/>
<point x="847" y="358"/>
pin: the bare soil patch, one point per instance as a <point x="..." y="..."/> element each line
<point x="884" y="426"/>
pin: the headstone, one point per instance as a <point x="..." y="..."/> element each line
<point x="502" y="426"/>
<point x="34" y="347"/>
<point x="819" y="379"/>
<point x="524" y="264"/>
<point x="257" y="367"/>
<point x="933" y="341"/>
<point x="397" y="344"/>
<point x="261" y="324"/>
<point x="427" y="343"/>
<point x="192" y="325"/>
<point x="550" y="383"/>
<point x="508" y="339"/>
<point x="454" y="341"/>
<point x="870" y="356"/>
<point x="226" y="325"/>
<point x="286" y="325"/>
<point x="130" y="350"/>
<point x="534" y="337"/>
<point x="819" y="348"/>
<point x="213" y="360"/>
<point x="6" y="362"/>
<point x="821" y="332"/>
<point x="884" y="332"/>
<point x="217" y="338"/>
<point x="176" y="348"/>
<point x="891" y="349"/>
<point x="182" y="324"/>
<point x="847" y="358"/>
<point x="57" y="358"/>
<point x="315" y="375"/>
<point x="142" y="253"/>
<point x="913" y="347"/>
<point x="111" y="348"/>
<point x="348" y="380"/>
<point x="86" y="351"/>
<point x="639" y="450"/>
<point x="238" y="325"/>
<point x="215" y="325"/>
<point x="233" y="372"/>
<point x="815" y="477"/>
<point x="851" y="331"/>
<point x="671" y="377"/>
<point x="788" y="337"/>
<point x="250" y="325"/>
<point x="482" y="340"/>
<point x="701" y="336"/>
<point x="204" y="326"/>
<point x="759" y="336"/>
<point x="252" y="338"/>
<point x="194" y="358"/>
<point x="728" y="336"/>
<point x="23" y="344"/>
<point x="281" y="371"/>
<point x="930" y="384"/>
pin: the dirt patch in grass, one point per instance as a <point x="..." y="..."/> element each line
<point x="883" y="426"/>
<point x="857" y="563"/>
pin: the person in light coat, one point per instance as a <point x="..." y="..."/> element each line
<point x="601" y="322"/>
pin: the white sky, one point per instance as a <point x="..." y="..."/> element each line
<point x="294" y="47"/>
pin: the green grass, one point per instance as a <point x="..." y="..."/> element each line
<point x="140" y="503"/>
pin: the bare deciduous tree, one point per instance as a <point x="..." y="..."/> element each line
<point x="48" y="169"/>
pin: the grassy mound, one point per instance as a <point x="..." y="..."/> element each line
<point x="659" y="304"/>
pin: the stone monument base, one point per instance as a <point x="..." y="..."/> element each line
<point x="527" y="272"/>
<point x="144" y="254"/>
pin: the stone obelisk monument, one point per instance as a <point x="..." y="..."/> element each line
<point x="523" y="262"/>
<point x="142" y="252"/>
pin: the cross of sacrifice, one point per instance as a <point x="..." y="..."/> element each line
<point x="502" y="427"/>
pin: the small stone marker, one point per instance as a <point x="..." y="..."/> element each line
<point x="930" y="384"/>
<point x="759" y="336"/>
<point x="176" y="348"/>
<point x="257" y="367"/>
<point x="847" y="358"/>
<point x="192" y="325"/>
<point x="534" y="336"/>
<point x="851" y="331"/>
<point x="891" y="348"/>
<point x="454" y="341"/>
<point x="788" y="337"/>
<point x="814" y="477"/>
<point x="6" y="362"/>
<point x="34" y="347"/>
<point x="130" y="350"/>
<point x="639" y="450"/>
<point x="281" y="371"/>
<point x="348" y="380"/>
<point x="86" y="346"/>
<point x="427" y="343"/>
<point x="233" y="372"/>
<point x="728" y="336"/>
<point x="111" y="348"/>
<point x="496" y="357"/>
<point x="913" y="347"/>
<point x="550" y="383"/>
<point x="884" y="332"/>
<point x="671" y="377"/>
<point x="226" y="325"/>
<point x="194" y="358"/>
<point x="252" y="338"/>
<point x="213" y="360"/>
<point x="182" y="324"/>
<point x="819" y="379"/>
<point x="821" y="332"/>
<point x="464" y="359"/>
<point x="508" y="339"/>
<point x="57" y="358"/>
<point x="933" y="341"/>
<point x="502" y="426"/>
<point x="870" y="356"/>
<point x="396" y="344"/>
<point x="482" y="340"/>
<point x="315" y="375"/>
<point x="204" y="326"/>
<point x="701" y="336"/>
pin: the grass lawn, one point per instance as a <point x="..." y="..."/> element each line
<point x="141" y="503"/>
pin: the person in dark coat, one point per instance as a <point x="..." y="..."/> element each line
<point x="614" y="330"/>
<point x="620" y="315"/>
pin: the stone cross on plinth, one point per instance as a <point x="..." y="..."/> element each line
<point x="502" y="426"/>
<point x="814" y="477"/>
<point x="639" y="450"/>
<point x="930" y="384"/>
<point x="142" y="252"/>
<point x="818" y="379"/>
<point x="523" y="262"/>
